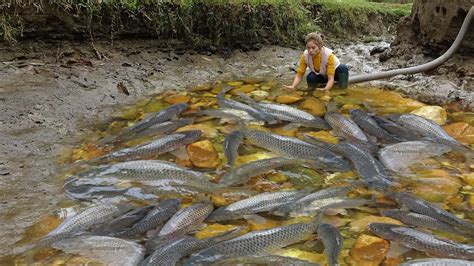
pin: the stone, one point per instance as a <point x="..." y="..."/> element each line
<point x="288" y="99"/>
<point x="173" y="99"/>
<point x="468" y="179"/>
<point x="324" y="136"/>
<point x="243" y="89"/>
<point x="461" y="131"/>
<point x="282" y="131"/>
<point x="368" y="250"/>
<point x="203" y="87"/>
<point x="203" y="154"/>
<point x="433" y="112"/>
<point x="314" y="106"/>
<point x="437" y="189"/>
<point x="259" y="95"/>
<point x="361" y="224"/>
<point x="235" y="83"/>
<point x="214" y="230"/>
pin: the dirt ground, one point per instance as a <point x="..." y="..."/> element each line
<point x="50" y="93"/>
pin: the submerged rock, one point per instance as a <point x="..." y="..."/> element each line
<point x="461" y="131"/>
<point x="314" y="106"/>
<point x="288" y="99"/>
<point x="435" y="113"/>
<point x="203" y="154"/>
<point x="368" y="250"/>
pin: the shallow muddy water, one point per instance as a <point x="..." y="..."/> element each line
<point x="445" y="180"/>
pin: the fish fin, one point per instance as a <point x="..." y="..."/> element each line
<point x="255" y="218"/>
<point x="396" y="250"/>
<point x="291" y="126"/>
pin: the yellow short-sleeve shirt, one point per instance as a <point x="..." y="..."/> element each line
<point x="330" y="68"/>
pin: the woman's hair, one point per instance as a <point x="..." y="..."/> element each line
<point x="316" y="37"/>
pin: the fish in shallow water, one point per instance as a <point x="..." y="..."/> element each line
<point x="438" y="262"/>
<point x="186" y="220"/>
<point x="274" y="260"/>
<point x="263" y="202"/>
<point x="332" y="241"/>
<point x="170" y="251"/>
<point x="398" y="157"/>
<point x="298" y="149"/>
<point x="371" y="171"/>
<point x="395" y="129"/>
<point x="423" y="207"/>
<point x="104" y="249"/>
<point x="347" y="129"/>
<point x="422" y="241"/>
<point x="370" y="126"/>
<point x="231" y="104"/>
<point x="162" y="175"/>
<point x="156" y="118"/>
<point x="320" y="205"/>
<point x="84" y="220"/>
<point x="243" y="173"/>
<point x="420" y="220"/>
<point x="256" y="242"/>
<point x="232" y="142"/>
<point x="156" y="147"/>
<point x="285" y="112"/>
<point x="155" y="217"/>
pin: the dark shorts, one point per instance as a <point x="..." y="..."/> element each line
<point x="341" y="76"/>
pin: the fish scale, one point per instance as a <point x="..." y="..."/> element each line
<point x="398" y="157"/>
<point x="148" y="172"/>
<point x="158" y="117"/>
<point x="422" y="241"/>
<point x="368" y="124"/>
<point x="420" y="220"/>
<point x="186" y="219"/>
<point x="160" y="213"/>
<point x="256" y="242"/>
<point x="285" y="112"/>
<point x="345" y="127"/>
<point x="420" y="206"/>
<point x="320" y="205"/>
<point x="156" y="147"/>
<point x="260" y="203"/>
<point x="242" y="173"/>
<point x="274" y="260"/>
<point x="84" y="220"/>
<point x="108" y="250"/>
<point x="170" y="251"/>
<point x="231" y="104"/>
<point x="296" y="148"/>
<point x="369" y="168"/>
<point x="438" y="262"/>
<point x="395" y="129"/>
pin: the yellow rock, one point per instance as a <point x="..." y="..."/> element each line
<point x="205" y="102"/>
<point x="265" y="87"/>
<point x="471" y="201"/>
<point x="219" y="200"/>
<point x="252" y="80"/>
<point x="360" y="225"/>
<point x="368" y="250"/>
<point x="207" y="131"/>
<point x="304" y="255"/>
<point x="243" y="89"/>
<point x="203" y="154"/>
<point x="314" y="106"/>
<point x="461" y="131"/>
<point x="435" y="113"/>
<point x="203" y="87"/>
<point x="213" y="230"/>
<point x="235" y="83"/>
<point x="468" y="178"/>
<point x="177" y="99"/>
<point x="259" y="95"/>
<point x="324" y="136"/>
<point x="277" y="178"/>
<point x="217" y="88"/>
<point x="347" y="107"/>
<point x="326" y="98"/>
<point x="261" y="223"/>
<point x="252" y="157"/>
<point x="281" y="131"/>
<point x="437" y="189"/>
<point x="288" y="99"/>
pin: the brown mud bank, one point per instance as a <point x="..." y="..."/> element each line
<point x="51" y="93"/>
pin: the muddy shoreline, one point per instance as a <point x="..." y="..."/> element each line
<point x="52" y="93"/>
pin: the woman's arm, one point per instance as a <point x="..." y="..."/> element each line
<point x="330" y="83"/>
<point x="296" y="82"/>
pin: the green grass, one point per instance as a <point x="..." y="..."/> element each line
<point x="232" y="23"/>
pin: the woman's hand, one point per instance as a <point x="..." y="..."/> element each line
<point x="288" y="88"/>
